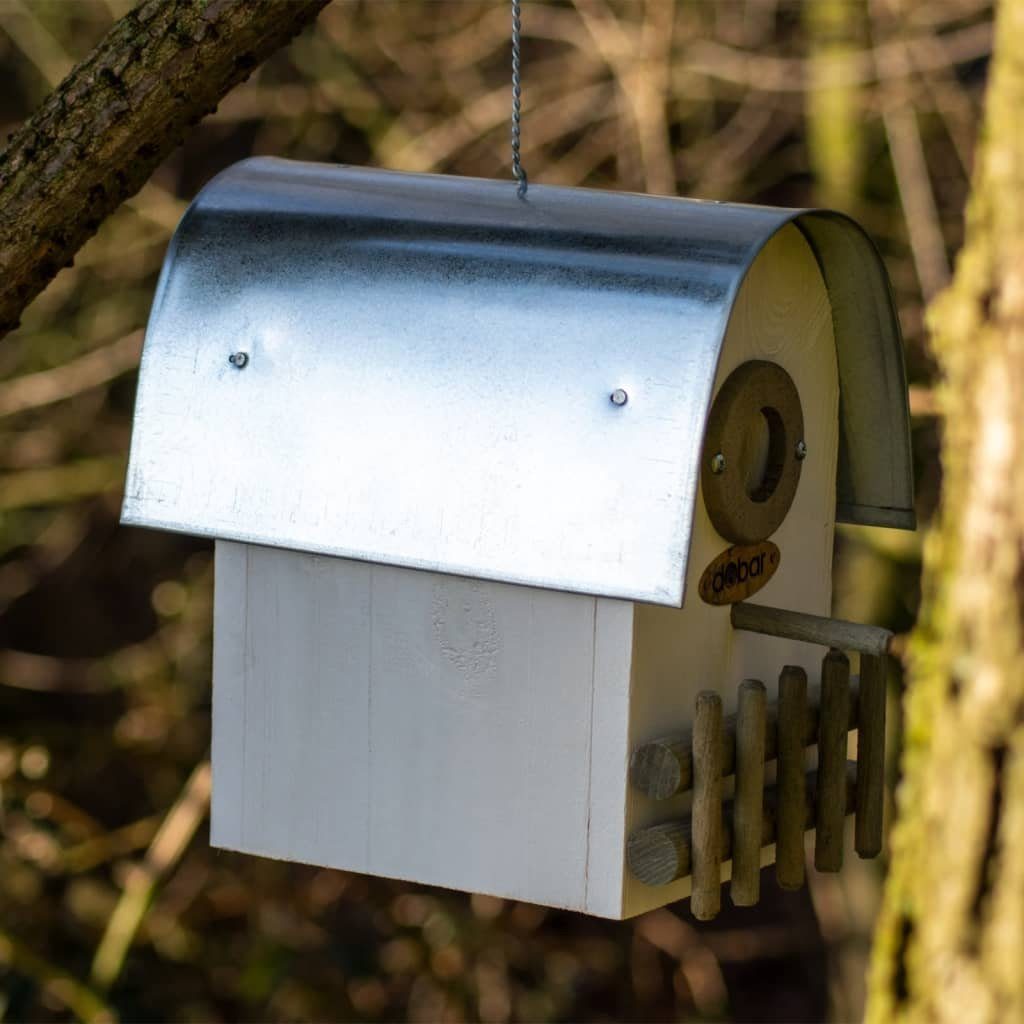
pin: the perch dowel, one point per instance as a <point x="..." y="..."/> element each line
<point x="791" y="782"/>
<point x="660" y="854"/>
<point x="832" y="737"/>
<point x="811" y="629"/>
<point x="663" y="768"/>
<point x="706" y="898"/>
<point x="748" y="804"/>
<point x="870" y="756"/>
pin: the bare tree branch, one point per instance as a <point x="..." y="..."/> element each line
<point x="117" y="115"/>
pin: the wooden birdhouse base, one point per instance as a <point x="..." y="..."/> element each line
<point x="489" y="778"/>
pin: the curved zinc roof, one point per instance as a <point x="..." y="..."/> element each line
<point x="429" y="363"/>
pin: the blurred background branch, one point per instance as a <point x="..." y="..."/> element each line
<point x="164" y="853"/>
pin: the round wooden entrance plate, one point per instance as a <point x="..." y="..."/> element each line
<point x="753" y="451"/>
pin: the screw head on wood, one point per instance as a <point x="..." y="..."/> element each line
<point x="801" y="451"/>
<point x="718" y="463"/>
<point x="239" y="360"/>
<point x="619" y="397"/>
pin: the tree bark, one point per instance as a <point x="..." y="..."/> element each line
<point x="118" y="114"/>
<point x="950" y="941"/>
<point x="833" y="105"/>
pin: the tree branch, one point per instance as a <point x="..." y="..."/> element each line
<point x="117" y="115"/>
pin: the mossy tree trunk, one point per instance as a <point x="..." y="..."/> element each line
<point x="118" y="114"/>
<point x="950" y="942"/>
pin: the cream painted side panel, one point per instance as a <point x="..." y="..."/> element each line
<point x="782" y="314"/>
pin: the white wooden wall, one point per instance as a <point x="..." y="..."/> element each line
<point x="418" y="726"/>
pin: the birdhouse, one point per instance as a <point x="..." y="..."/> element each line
<point x="487" y="478"/>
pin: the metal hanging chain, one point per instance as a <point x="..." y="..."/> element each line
<point x="518" y="171"/>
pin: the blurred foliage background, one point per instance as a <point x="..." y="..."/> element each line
<point x="112" y="904"/>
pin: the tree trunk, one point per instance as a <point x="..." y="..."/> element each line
<point x="833" y="105"/>
<point x="950" y="942"/>
<point x="99" y="135"/>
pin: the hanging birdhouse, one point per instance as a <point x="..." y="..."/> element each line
<point x="487" y="478"/>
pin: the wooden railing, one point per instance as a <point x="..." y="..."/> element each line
<point x="741" y="745"/>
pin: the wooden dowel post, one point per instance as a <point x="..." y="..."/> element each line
<point x="870" y="756"/>
<point x="706" y="854"/>
<point x="832" y="733"/>
<point x="660" y="854"/>
<point x="748" y="805"/>
<point x="663" y="768"/>
<point x="791" y="786"/>
<point x="811" y="629"/>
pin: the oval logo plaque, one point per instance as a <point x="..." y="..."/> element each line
<point x="738" y="572"/>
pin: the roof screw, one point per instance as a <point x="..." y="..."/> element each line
<point x="718" y="463"/>
<point x="619" y="397"/>
<point x="239" y="360"/>
<point x="801" y="451"/>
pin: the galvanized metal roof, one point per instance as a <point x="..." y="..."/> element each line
<point x="429" y="364"/>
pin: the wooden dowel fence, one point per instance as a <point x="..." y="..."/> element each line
<point x="661" y="854"/>
<point x="757" y="816"/>
<point x="661" y="768"/>
<point x="811" y="629"/>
